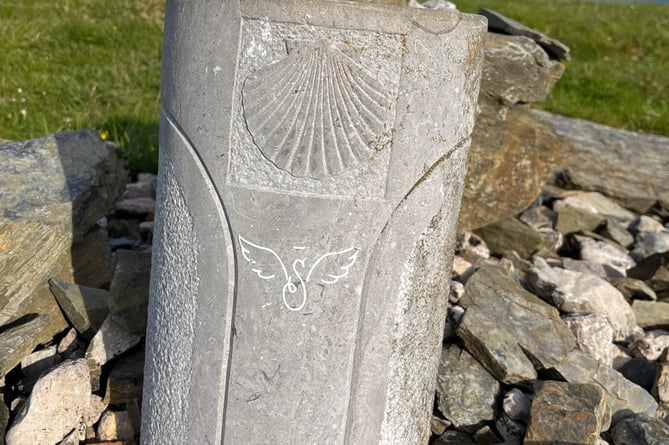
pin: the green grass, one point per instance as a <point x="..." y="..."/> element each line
<point x="619" y="72"/>
<point x="72" y="64"/>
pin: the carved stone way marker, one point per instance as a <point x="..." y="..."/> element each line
<point x="312" y="158"/>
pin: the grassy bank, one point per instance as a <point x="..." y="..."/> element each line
<point x="619" y="72"/>
<point x="73" y="64"/>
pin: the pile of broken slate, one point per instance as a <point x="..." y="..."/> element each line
<point x="558" y="326"/>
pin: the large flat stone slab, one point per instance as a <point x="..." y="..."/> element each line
<point x="510" y="331"/>
<point x="300" y="245"/>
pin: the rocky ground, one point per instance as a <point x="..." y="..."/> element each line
<point x="558" y="327"/>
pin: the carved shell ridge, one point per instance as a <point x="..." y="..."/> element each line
<point x="317" y="112"/>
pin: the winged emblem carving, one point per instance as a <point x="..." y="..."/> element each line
<point x="326" y="269"/>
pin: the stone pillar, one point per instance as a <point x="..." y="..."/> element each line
<point x="312" y="159"/>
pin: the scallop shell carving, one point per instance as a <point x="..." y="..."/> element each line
<point x="317" y="112"/>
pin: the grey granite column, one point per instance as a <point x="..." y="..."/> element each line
<point x="311" y="167"/>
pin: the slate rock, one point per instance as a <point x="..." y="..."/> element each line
<point x="633" y="289"/>
<point x="129" y="291"/>
<point x="486" y="436"/>
<point x="511" y="430"/>
<point x="585" y="211"/>
<point x="648" y="243"/>
<point x="438" y="425"/>
<point x="567" y="413"/>
<point x="586" y="267"/>
<point x="660" y="389"/>
<point x="38" y="362"/>
<point x="56" y="406"/>
<point x="577" y="293"/>
<point x="622" y="396"/>
<point x="651" y="314"/>
<point x="512" y="234"/>
<point x="616" y="230"/>
<point x="137" y="206"/>
<point x="539" y="217"/>
<point x="144" y="187"/>
<point x="466" y="392"/>
<point x="509" y="330"/>
<point x="613" y="258"/>
<point x="109" y="342"/>
<point x="516" y="404"/>
<point x="650" y="344"/>
<point x="497" y="186"/>
<point x="85" y="307"/>
<point x="21" y="337"/>
<point x="92" y="260"/>
<point x="517" y="70"/>
<point x="500" y="23"/>
<point x="594" y="335"/>
<point x="640" y="371"/>
<point x="640" y="429"/>
<point x="627" y="166"/>
<point x="654" y="270"/>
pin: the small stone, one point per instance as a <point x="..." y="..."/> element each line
<point x="18" y="339"/>
<point x="453" y="318"/>
<point x="616" y="231"/>
<point x="539" y="217"/>
<point x="586" y="267"/>
<point x="486" y="436"/>
<point x="115" y="425"/>
<point x="38" y="362"/>
<point x="4" y="419"/>
<point x="651" y="314"/>
<point x="660" y="387"/>
<point x="516" y="405"/>
<point x="646" y="224"/>
<point x="91" y="259"/>
<point x="594" y="335"/>
<point x="85" y="307"/>
<point x="70" y="347"/>
<point x="137" y="206"/>
<point x="146" y="227"/>
<point x="440" y="5"/>
<point x="94" y="411"/>
<point x="438" y="425"/>
<point x="55" y="407"/>
<point x="620" y="355"/>
<point x="640" y="429"/>
<point x="146" y="188"/>
<point x="567" y="413"/>
<point x="466" y="392"/>
<point x="129" y="291"/>
<point x="456" y="291"/>
<point x="648" y="243"/>
<point x="614" y="259"/>
<point x="462" y="269"/>
<point x="577" y="293"/>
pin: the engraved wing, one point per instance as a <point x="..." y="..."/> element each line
<point x="265" y="262"/>
<point x="331" y="267"/>
<point x="317" y="112"/>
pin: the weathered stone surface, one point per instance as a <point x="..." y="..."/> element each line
<point x="241" y="333"/>
<point x="613" y="258"/>
<point x="654" y="270"/>
<point x="651" y="314"/>
<point x="594" y="335"/>
<point x="567" y="413"/>
<point x="500" y="23"/>
<point x="628" y="166"/>
<point x="648" y="243"/>
<point x="622" y="396"/>
<point x="91" y="259"/>
<point x="85" y="307"/>
<point x="110" y="341"/>
<point x="633" y="289"/>
<point x="516" y="404"/>
<point x="509" y="330"/>
<point x="616" y="230"/>
<point x="21" y="337"/>
<point x="115" y="425"/>
<point x="511" y="430"/>
<point x="578" y="293"/>
<point x="129" y="290"/>
<point x="517" y="70"/>
<point x="38" y="362"/>
<point x="486" y="436"/>
<point x="497" y="186"/>
<point x="512" y="234"/>
<point x="56" y="188"/>
<point x="585" y="211"/>
<point x="136" y="205"/>
<point x="650" y="344"/>
<point x="125" y="379"/>
<point x="466" y="392"/>
<point x="640" y="429"/>
<point x="56" y="406"/>
<point x="4" y="419"/>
